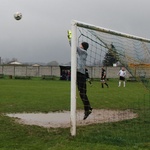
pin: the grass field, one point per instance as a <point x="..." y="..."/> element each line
<point x="38" y="95"/>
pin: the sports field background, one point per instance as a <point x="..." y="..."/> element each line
<point x="39" y="71"/>
<point x="37" y="95"/>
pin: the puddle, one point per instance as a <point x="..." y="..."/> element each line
<point x="62" y="119"/>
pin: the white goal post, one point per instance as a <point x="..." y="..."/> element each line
<point x="129" y="50"/>
<point x="73" y="78"/>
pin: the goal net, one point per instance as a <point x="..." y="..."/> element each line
<point x="108" y="48"/>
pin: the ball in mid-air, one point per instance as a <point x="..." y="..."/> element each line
<point x="17" y="15"/>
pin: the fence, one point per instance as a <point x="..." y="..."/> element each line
<point x="38" y="71"/>
<point x="32" y="71"/>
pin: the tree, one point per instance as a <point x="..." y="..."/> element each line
<point x="111" y="56"/>
<point x="53" y="63"/>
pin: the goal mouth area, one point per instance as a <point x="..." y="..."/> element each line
<point x="106" y="48"/>
<point x="61" y="119"/>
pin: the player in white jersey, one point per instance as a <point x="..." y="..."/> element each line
<point x="122" y="74"/>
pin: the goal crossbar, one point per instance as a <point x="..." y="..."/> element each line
<point x="113" y="32"/>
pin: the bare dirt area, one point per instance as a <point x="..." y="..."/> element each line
<point x="62" y="119"/>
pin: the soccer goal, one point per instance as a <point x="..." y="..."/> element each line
<point x="106" y="48"/>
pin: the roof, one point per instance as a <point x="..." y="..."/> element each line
<point x="15" y="63"/>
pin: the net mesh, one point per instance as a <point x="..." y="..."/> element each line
<point x="121" y="112"/>
<point x="109" y="48"/>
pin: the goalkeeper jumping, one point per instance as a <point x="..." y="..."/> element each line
<point x="81" y="76"/>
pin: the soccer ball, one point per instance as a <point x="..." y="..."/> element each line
<point x="17" y="15"/>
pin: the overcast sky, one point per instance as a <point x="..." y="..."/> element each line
<point x="41" y="34"/>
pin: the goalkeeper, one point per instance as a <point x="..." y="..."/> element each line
<point x="81" y="77"/>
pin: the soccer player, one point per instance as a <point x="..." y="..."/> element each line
<point x="103" y="78"/>
<point x="81" y="77"/>
<point x="122" y="74"/>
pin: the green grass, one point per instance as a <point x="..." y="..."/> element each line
<point x="34" y="95"/>
<point x="38" y="95"/>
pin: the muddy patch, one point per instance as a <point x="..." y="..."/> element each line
<point x="62" y="119"/>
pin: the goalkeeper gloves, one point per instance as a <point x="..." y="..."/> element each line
<point x="69" y="36"/>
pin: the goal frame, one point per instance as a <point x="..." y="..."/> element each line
<point x="74" y="25"/>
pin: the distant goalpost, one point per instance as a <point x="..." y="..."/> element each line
<point x="129" y="51"/>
